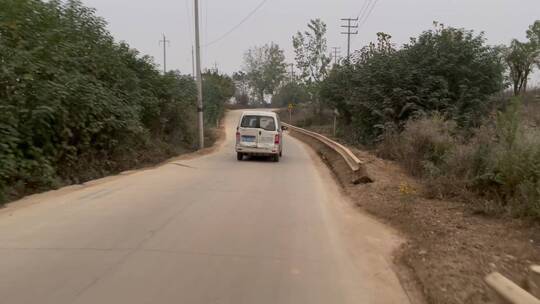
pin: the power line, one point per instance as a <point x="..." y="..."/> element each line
<point x="363" y="9"/>
<point x="189" y="15"/>
<point x="365" y="12"/>
<point x="368" y="14"/>
<point x="236" y="26"/>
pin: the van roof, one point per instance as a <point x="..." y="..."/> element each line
<point x="259" y="113"/>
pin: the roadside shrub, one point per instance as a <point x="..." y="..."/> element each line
<point x="288" y="93"/>
<point x="217" y="89"/>
<point x="498" y="165"/>
<point x="390" y="145"/>
<point x="531" y="113"/>
<point x="423" y="145"/>
<point x="515" y="170"/>
<point x="76" y="105"/>
<point x="465" y="171"/>
<point x="517" y="174"/>
<point x="446" y="70"/>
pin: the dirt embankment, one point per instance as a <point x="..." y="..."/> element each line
<point x="450" y="248"/>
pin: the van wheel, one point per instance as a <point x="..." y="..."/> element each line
<point x="275" y="158"/>
<point x="239" y="156"/>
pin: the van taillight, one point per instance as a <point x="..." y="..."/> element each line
<point x="237" y="137"/>
<point x="276" y="139"/>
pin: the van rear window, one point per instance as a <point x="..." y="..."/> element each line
<point x="267" y="123"/>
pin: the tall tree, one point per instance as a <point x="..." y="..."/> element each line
<point x="241" y="85"/>
<point x="521" y="57"/>
<point x="311" y="57"/>
<point x="533" y="33"/>
<point x="265" y="69"/>
<point x="217" y="90"/>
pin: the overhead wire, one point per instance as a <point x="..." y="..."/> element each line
<point x="362" y="22"/>
<point x="363" y="10"/>
<point x="251" y="13"/>
<point x="189" y="15"/>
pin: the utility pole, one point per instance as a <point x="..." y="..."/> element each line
<point x="192" y="62"/>
<point x="165" y="42"/>
<point x="337" y="52"/>
<point x="348" y="26"/>
<point x="292" y="71"/>
<point x="200" y="119"/>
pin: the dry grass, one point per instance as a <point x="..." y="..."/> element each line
<point x="498" y="167"/>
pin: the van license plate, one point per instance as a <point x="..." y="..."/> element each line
<point x="248" y="138"/>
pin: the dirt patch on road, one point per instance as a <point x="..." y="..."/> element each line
<point x="449" y="248"/>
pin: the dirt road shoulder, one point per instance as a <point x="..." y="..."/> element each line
<point x="449" y="248"/>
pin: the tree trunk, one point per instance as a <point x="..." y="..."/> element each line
<point x="261" y="97"/>
<point x="524" y="87"/>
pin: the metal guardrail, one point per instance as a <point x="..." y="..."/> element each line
<point x="504" y="291"/>
<point x="354" y="163"/>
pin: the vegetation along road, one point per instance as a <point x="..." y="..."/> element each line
<point x="119" y="181"/>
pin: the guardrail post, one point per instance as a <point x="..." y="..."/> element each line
<point x="504" y="291"/>
<point x="534" y="280"/>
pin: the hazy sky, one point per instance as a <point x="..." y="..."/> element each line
<point x="141" y="23"/>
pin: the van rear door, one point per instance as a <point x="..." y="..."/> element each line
<point x="267" y="132"/>
<point x="249" y="131"/>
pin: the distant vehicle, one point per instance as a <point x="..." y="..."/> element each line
<point x="259" y="133"/>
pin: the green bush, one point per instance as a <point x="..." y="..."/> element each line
<point x="290" y="93"/>
<point x="217" y="89"/>
<point x="515" y="167"/>
<point x="447" y="70"/>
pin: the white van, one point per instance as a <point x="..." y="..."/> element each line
<point x="259" y="133"/>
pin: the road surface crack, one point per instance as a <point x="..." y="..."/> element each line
<point x="183" y="165"/>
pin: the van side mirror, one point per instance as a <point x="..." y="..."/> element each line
<point x="284" y="128"/>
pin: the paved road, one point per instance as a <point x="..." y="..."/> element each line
<point x="207" y="229"/>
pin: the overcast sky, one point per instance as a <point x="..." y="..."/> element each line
<point x="142" y="22"/>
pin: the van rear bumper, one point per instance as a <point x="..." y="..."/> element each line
<point x="257" y="151"/>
